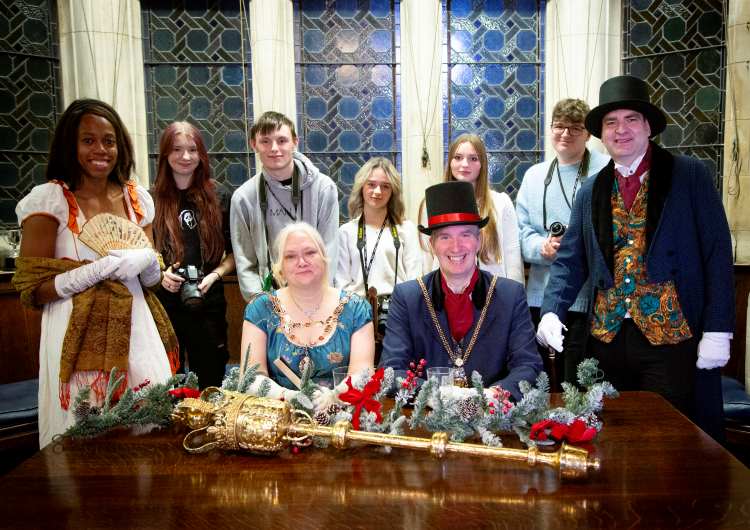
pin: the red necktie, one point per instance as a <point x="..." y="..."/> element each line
<point x="629" y="186"/>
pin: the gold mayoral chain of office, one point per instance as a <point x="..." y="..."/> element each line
<point x="459" y="356"/>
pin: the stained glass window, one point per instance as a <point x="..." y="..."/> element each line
<point x="197" y="68"/>
<point x="494" y="78"/>
<point x="678" y="48"/>
<point x="347" y="55"/>
<point x="30" y="97"/>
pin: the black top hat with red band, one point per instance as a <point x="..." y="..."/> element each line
<point x="451" y="203"/>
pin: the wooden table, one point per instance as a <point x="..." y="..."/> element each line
<point x="657" y="470"/>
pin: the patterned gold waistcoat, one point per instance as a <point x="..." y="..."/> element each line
<point x="654" y="307"/>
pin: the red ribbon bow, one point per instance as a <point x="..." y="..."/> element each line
<point x="185" y="392"/>
<point x="363" y="399"/>
<point x="576" y="432"/>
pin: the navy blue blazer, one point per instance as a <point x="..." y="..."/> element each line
<point x="505" y="351"/>
<point x="687" y="237"/>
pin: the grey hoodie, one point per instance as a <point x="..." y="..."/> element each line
<point x="319" y="207"/>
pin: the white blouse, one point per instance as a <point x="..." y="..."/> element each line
<point x="349" y="268"/>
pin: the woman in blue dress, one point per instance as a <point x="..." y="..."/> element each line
<point x="306" y="321"/>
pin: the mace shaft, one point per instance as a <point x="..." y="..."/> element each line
<point x="571" y="462"/>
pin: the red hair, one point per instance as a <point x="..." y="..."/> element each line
<point x="202" y="193"/>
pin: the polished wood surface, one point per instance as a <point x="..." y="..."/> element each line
<point x="657" y="470"/>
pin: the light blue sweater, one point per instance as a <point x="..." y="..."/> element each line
<point x="531" y="222"/>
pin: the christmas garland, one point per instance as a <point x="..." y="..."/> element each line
<point x="146" y="404"/>
<point x="473" y="412"/>
<point x="461" y="412"/>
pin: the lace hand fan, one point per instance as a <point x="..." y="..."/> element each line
<point x="105" y="232"/>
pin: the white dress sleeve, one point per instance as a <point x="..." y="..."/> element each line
<point x="46" y="199"/>
<point x="428" y="259"/>
<point x="510" y="240"/>
<point x="344" y="278"/>
<point x="411" y="251"/>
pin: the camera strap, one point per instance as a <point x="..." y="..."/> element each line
<point x="583" y="169"/>
<point x="362" y="248"/>
<point x="263" y="189"/>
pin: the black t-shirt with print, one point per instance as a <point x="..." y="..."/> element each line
<point x="191" y="239"/>
<point x="189" y="219"/>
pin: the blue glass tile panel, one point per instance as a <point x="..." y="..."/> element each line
<point x="678" y="48"/>
<point x="494" y="82"/>
<point x="347" y="85"/>
<point x="195" y="71"/>
<point x="30" y="98"/>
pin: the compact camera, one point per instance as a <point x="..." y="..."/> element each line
<point x="557" y="229"/>
<point x="190" y="294"/>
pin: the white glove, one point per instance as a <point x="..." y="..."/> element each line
<point x="549" y="332"/>
<point x="134" y="261"/>
<point x="276" y="391"/>
<point x="713" y="350"/>
<point x="151" y="275"/>
<point x="324" y="397"/>
<point x="77" y="280"/>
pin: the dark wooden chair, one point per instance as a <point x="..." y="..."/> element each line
<point x="372" y="297"/>
<point x="19" y="427"/>
<point x="736" y="418"/>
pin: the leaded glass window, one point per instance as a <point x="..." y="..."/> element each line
<point x="678" y="48"/>
<point x="494" y="71"/>
<point x="347" y="67"/>
<point x="197" y="69"/>
<point x="30" y="97"/>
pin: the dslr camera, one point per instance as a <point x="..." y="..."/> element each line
<point x="557" y="229"/>
<point x="190" y="296"/>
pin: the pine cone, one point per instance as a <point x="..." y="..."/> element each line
<point x="322" y="418"/>
<point x="82" y="411"/>
<point x="333" y="409"/>
<point x="467" y="409"/>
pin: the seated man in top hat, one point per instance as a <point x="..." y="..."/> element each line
<point x="651" y="234"/>
<point x="459" y="316"/>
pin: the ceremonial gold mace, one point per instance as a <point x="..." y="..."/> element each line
<point x="233" y="421"/>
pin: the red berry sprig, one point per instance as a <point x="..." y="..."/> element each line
<point x="502" y="396"/>
<point x="415" y="371"/>
<point x="142" y="385"/>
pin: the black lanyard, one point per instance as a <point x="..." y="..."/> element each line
<point x="362" y="247"/>
<point x="582" y="171"/>
<point x="296" y="202"/>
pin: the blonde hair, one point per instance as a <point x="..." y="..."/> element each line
<point x="489" y="247"/>
<point x="395" y="203"/>
<point x="279" y="246"/>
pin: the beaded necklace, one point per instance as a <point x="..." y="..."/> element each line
<point x="289" y="327"/>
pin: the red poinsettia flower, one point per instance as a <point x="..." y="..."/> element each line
<point x="559" y="431"/>
<point x="579" y="432"/>
<point x="541" y="430"/>
<point x="576" y="432"/>
<point x="185" y="392"/>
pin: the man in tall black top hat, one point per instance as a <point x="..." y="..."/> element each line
<point x="459" y="316"/>
<point x="651" y="233"/>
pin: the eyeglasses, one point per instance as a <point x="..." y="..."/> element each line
<point x="573" y="130"/>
